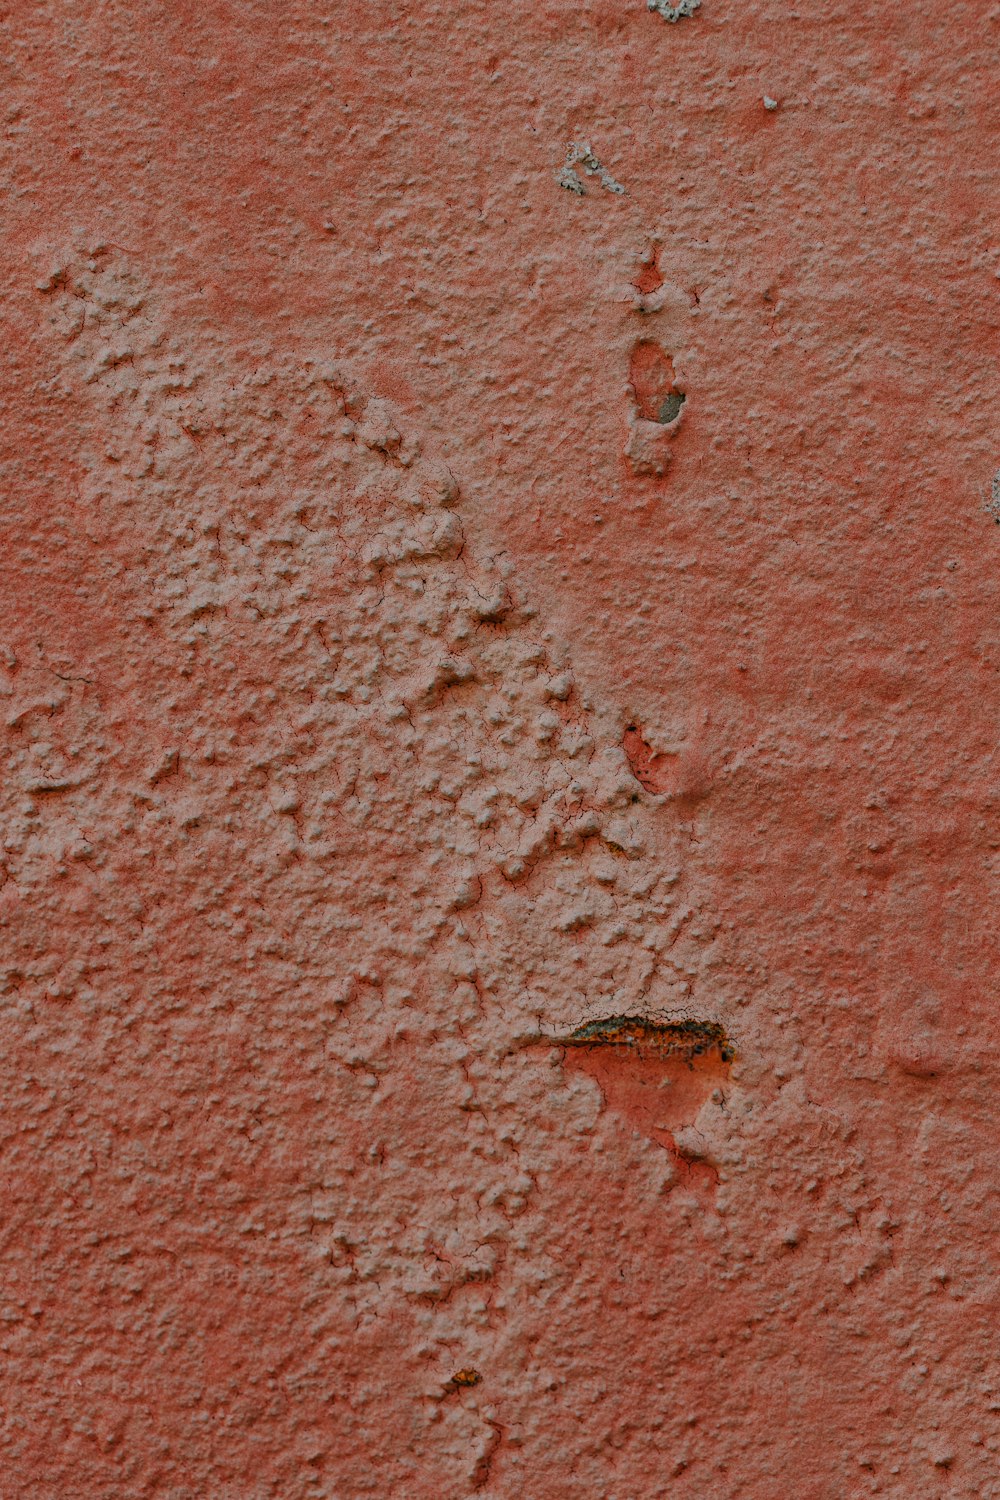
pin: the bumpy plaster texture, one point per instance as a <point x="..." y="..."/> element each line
<point x="367" y="727"/>
<point x="499" y="695"/>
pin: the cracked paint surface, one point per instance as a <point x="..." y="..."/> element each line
<point x="498" y="691"/>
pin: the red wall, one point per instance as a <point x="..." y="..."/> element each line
<point x="396" y="675"/>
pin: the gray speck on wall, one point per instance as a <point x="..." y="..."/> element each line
<point x="993" y="503"/>
<point x="580" y="153"/>
<point x="673" y="12"/>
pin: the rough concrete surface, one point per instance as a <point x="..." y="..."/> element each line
<point x="499" y="688"/>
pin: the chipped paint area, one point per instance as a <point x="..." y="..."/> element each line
<point x="684" y="1038"/>
<point x="673" y="12"/>
<point x="581" y="154"/>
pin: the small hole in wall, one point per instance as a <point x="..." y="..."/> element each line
<point x="651" y="376"/>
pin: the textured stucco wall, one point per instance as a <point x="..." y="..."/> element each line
<point x="495" y="537"/>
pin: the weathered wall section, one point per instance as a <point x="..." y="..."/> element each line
<point x="496" y="541"/>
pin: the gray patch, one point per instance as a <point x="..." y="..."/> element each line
<point x="673" y="12"/>
<point x="580" y="153"/>
<point x="992" y="506"/>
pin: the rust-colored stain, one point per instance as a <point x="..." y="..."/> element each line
<point x="655" y="1077"/>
